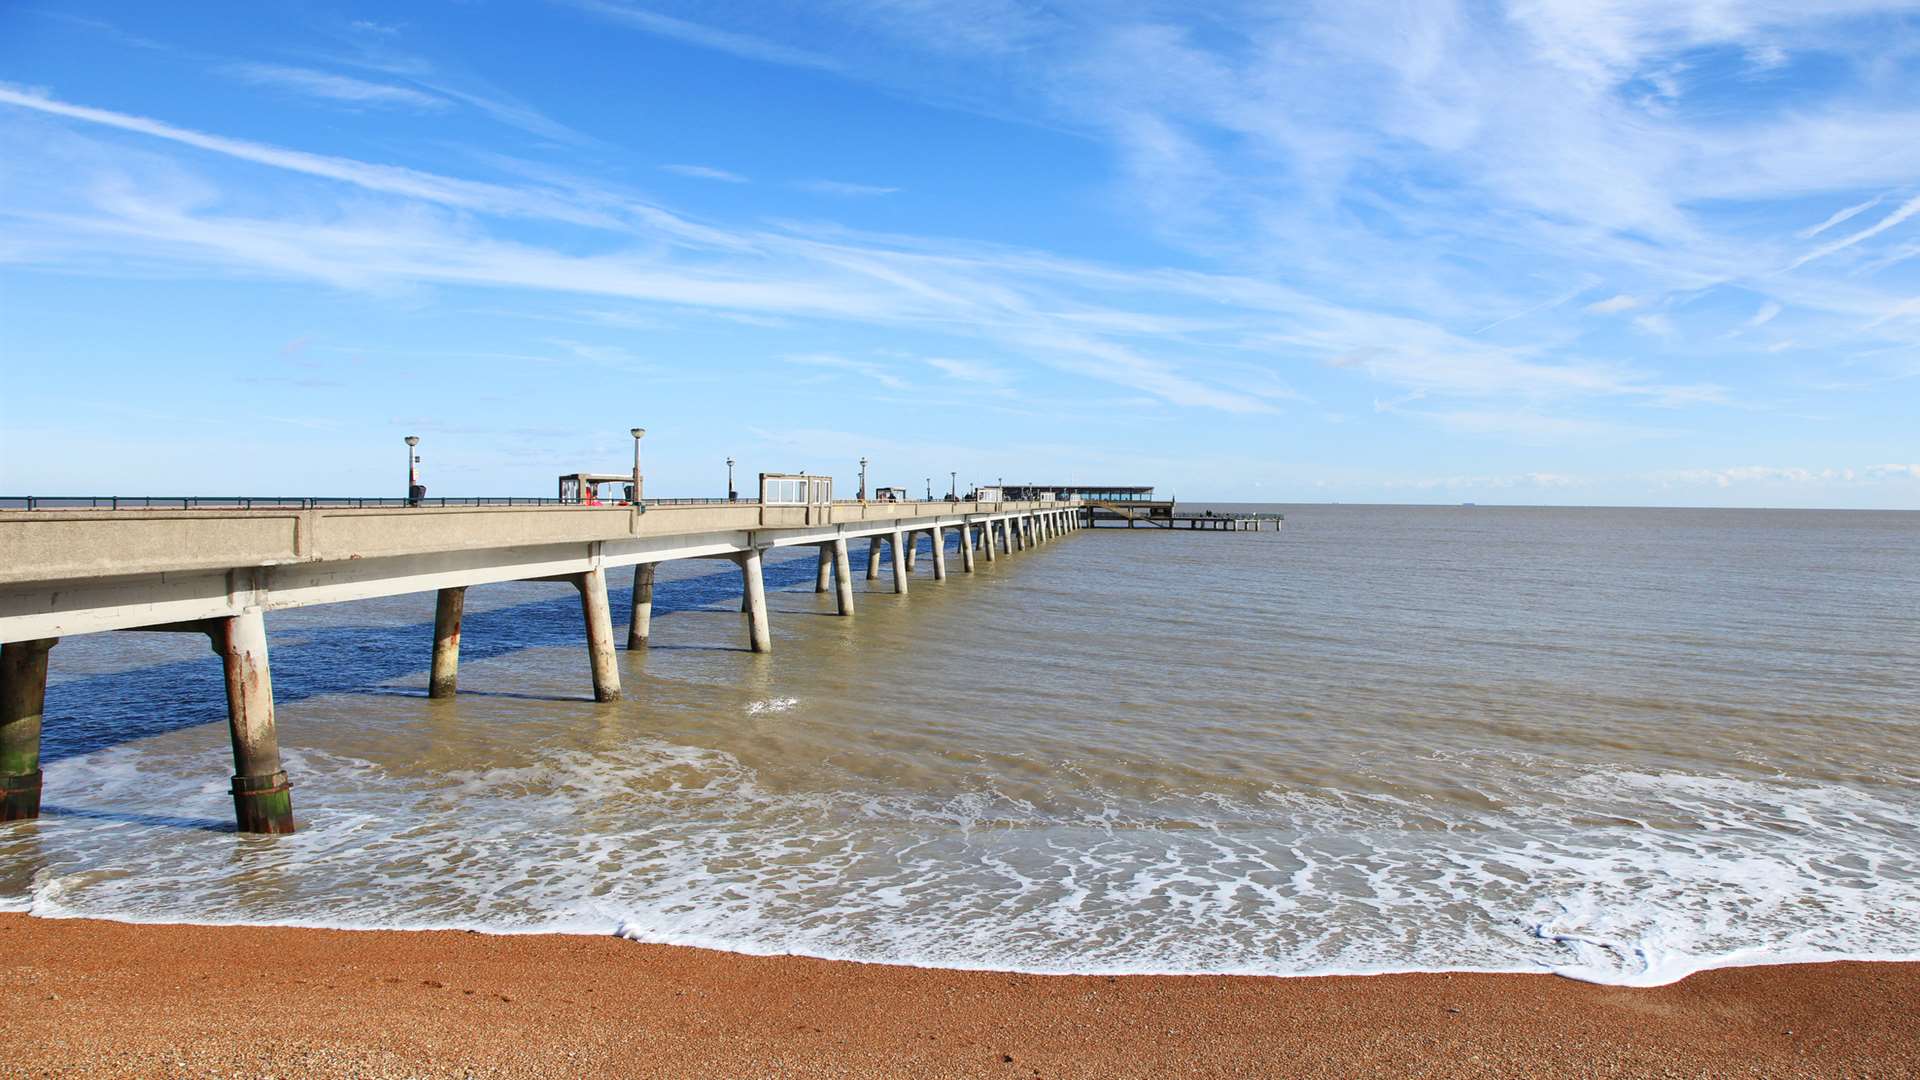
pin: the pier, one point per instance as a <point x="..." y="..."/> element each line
<point x="220" y="571"/>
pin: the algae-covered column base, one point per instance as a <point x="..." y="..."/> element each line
<point x="448" y="608"/>
<point x="23" y="698"/>
<point x="640" y="623"/>
<point x="601" y="656"/>
<point x="262" y="798"/>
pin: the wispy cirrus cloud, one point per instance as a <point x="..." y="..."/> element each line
<point x="341" y="89"/>
<point x="744" y="45"/>
<point x="841" y="187"/>
<point x="705" y="172"/>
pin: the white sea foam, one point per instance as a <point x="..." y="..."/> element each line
<point x="683" y="845"/>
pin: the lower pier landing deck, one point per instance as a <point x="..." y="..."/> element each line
<point x="1212" y="522"/>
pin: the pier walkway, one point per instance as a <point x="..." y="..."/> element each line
<point x="218" y="572"/>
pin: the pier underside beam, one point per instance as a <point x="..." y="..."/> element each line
<point x="599" y="619"/>
<point x="262" y="798"/>
<point x="758" y="631"/>
<point x="23" y="698"/>
<point x="448" y="607"/>
<point x="640" y="622"/>
<point x="842" y="578"/>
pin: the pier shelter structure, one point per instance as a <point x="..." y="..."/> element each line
<point x="219" y="572"/>
<point x="1128" y="503"/>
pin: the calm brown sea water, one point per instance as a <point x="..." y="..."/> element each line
<point x="1623" y="744"/>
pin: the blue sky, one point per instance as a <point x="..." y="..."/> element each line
<point x="1559" y="251"/>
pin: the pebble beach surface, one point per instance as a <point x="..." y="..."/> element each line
<point x="103" y="998"/>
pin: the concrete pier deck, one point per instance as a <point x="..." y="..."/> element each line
<point x="220" y="572"/>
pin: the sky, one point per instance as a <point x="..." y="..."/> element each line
<point x="1545" y="251"/>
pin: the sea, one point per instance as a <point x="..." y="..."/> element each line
<point x="1620" y="745"/>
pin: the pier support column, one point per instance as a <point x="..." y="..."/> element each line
<point x="640" y="622"/>
<point x="823" y="574"/>
<point x="842" y="577"/>
<point x="599" y="620"/>
<point x="986" y="538"/>
<point x="899" y="562"/>
<point x="448" y="607"/>
<point x="756" y="589"/>
<point x="913" y="549"/>
<point x="966" y="548"/>
<point x="23" y="698"/>
<point x="873" y="559"/>
<point x="262" y="798"/>
<point x="939" y="553"/>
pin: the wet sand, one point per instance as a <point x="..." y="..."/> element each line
<point x="101" y="997"/>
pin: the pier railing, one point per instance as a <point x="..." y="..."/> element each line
<point x="289" y="502"/>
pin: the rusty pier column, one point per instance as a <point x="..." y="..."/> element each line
<point x="599" y="619"/>
<point x="448" y="607"/>
<point x="23" y="698"/>
<point x="262" y="798"/>
<point x="640" y="623"/>
<point x="842" y="577"/>
<point x="758" y="632"/>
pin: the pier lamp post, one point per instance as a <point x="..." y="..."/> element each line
<point x="732" y="495"/>
<point x="413" y="471"/>
<point x="929" y="489"/>
<point x="863" y="479"/>
<point x="639" y="502"/>
<point x="953" y="485"/>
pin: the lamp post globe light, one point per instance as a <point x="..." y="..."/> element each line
<point x="413" y="471"/>
<point x="863" y="479"/>
<point x="732" y="495"/>
<point x="639" y="500"/>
